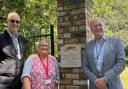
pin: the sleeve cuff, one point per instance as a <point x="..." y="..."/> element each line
<point x="25" y="75"/>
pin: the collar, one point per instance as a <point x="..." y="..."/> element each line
<point x="103" y="38"/>
<point x="11" y="35"/>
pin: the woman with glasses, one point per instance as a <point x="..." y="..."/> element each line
<point x="41" y="69"/>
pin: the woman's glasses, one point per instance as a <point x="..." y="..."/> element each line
<point x="44" y="46"/>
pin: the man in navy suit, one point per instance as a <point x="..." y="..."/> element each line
<point x="103" y="58"/>
<point x="12" y="52"/>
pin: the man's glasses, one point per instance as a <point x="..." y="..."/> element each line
<point x="14" y="21"/>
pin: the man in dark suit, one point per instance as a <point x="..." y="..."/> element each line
<point x="12" y="52"/>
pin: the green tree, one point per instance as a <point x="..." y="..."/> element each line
<point x="36" y="15"/>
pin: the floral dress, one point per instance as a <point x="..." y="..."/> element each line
<point x="36" y="72"/>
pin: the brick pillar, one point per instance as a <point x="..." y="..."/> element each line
<point x="73" y="22"/>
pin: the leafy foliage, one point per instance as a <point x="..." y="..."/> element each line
<point x="36" y="15"/>
<point x="115" y="14"/>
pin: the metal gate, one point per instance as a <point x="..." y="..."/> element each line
<point x="33" y="39"/>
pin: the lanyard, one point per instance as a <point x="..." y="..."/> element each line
<point x="98" y="53"/>
<point x="44" y="66"/>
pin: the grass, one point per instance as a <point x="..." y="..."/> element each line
<point x="124" y="78"/>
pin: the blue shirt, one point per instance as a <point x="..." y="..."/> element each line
<point x="99" y="54"/>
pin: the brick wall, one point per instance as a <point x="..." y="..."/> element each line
<point x="73" y="28"/>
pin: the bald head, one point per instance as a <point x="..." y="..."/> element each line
<point x="97" y="27"/>
<point x="13" y="22"/>
<point x="13" y="14"/>
<point x="93" y="20"/>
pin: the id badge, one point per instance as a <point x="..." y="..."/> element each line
<point x="47" y="81"/>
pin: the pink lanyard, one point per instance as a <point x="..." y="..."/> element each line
<point x="44" y="66"/>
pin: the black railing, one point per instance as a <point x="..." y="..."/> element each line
<point x="33" y="39"/>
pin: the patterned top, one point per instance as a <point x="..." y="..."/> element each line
<point x="35" y="71"/>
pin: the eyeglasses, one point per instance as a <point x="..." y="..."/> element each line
<point x="14" y="21"/>
<point x="44" y="46"/>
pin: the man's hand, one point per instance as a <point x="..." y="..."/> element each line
<point x="101" y="83"/>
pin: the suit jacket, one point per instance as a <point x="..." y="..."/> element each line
<point x="9" y="62"/>
<point x="113" y="63"/>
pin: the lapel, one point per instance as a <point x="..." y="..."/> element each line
<point x="8" y="37"/>
<point x="12" y="50"/>
<point x="91" y="52"/>
<point x="106" y="48"/>
<point x="21" y="46"/>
